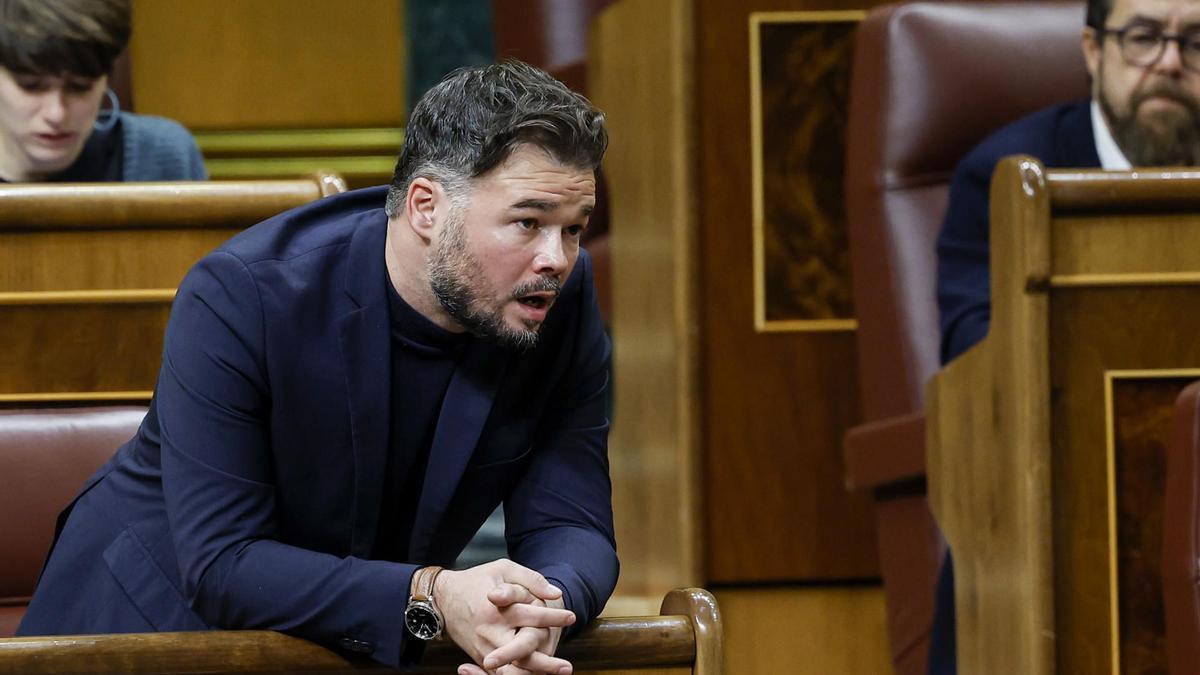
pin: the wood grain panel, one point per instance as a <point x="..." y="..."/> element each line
<point x="60" y="261"/>
<point x="1018" y="450"/>
<point x="81" y="348"/>
<point x="88" y="274"/>
<point x="805" y="631"/>
<point x="1123" y="245"/>
<point x="802" y="260"/>
<point x="775" y="405"/>
<point x="989" y="466"/>
<point x="654" y="445"/>
<point x="1142" y="410"/>
<point x="232" y="64"/>
<point x="1094" y="331"/>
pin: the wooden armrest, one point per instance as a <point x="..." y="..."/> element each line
<point x="885" y="452"/>
<point x="687" y="632"/>
<point x="149" y="205"/>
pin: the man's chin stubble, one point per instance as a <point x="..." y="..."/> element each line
<point x="1166" y="139"/>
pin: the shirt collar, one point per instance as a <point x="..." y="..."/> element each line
<point x="1111" y="157"/>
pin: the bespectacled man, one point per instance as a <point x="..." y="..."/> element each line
<point x="1144" y="111"/>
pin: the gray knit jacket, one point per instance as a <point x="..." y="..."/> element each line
<point x="157" y="148"/>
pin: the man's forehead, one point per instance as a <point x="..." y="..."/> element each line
<point x="531" y="175"/>
<point x="1187" y="11"/>
<point x="568" y="182"/>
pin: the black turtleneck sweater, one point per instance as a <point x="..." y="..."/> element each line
<point x="424" y="357"/>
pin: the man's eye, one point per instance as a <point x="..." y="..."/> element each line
<point x="1191" y="42"/>
<point x="575" y="230"/>
<point x="528" y="223"/>
<point x="1143" y="37"/>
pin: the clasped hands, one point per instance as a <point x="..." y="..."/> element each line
<point x="506" y="617"/>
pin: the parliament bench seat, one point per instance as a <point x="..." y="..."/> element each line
<point x="47" y="454"/>
<point x="45" y="457"/>
<point x="88" y="272"/>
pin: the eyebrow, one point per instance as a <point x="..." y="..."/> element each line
<point x="546" y="205"/>
<point x="1157" y="21"/>
<point x="1158" y="24"/>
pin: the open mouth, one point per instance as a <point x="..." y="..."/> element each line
<point x="537" y="300"/>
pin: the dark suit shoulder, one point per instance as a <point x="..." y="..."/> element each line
<point x="1059" y="136"/>
<point x="330" y="221"/>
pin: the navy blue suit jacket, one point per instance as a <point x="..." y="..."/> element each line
<point x="250" y="496"/>
<point x="1061" y="137"/>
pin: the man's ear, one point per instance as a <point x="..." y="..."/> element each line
<point x="1090" y="43"/>
<point x="420" y="204"/>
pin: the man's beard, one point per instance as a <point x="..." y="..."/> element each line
<point x="1167" y="137"/>
<point x="462" y="290"/>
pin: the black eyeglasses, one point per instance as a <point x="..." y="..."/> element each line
<point x="1144" y="45"/>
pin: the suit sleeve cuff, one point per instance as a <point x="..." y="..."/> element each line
<point x="556" y="576"/>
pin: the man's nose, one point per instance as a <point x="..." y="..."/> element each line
<point x="551" y="257"/>
<point x="1171" y="60"/>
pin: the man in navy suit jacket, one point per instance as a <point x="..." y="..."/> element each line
<point x="350" y="388"/>
<point x="1144" y="61"/>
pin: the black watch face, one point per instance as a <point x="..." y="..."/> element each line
<point x="422" y="622"/>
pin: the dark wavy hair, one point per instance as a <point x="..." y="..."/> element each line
<point x="473" y="119"/>
<point x="82" y="37"/>
<point x="1097" y="12"/>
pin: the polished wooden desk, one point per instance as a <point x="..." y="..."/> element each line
<point x="1045" y="441"/>
<point x="685" y="638"/>
<point x="88" y="273"/>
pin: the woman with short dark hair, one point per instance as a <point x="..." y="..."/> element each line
<point x="55" y="60"/>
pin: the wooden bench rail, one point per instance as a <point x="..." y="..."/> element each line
<point x="1094" y="190"/>
<point x="98" y="206"/>
<point x="691" y="637"/>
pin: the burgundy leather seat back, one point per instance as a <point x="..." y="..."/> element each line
<point x="1181" y="536"/>
<point x="930" y="81"/>
<point x="45" y="457"/>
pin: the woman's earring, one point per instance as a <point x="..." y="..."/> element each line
<point x="107" y="119"/>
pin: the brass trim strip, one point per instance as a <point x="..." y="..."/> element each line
<point x="756" y="174"/>
<point x="82" y="396"/>
<point x="807" y="17"/>
<point x="1111" y="458"/>
<point x="761" y="323"/>
<point x="808" y="326"/>
<point x="98" y="297"/>
<point x="379" y="139"/>
<point x="1151" y="373"/>
<point x="291" y="166"/>
<point x="1125" y="279"/>
<point x="1110" y="450"/>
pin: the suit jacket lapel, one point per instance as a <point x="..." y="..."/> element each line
<point x="465" y="410"/>
<point x="366" y="355"/>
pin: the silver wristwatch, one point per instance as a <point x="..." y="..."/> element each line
<point x="421" y="617"/>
